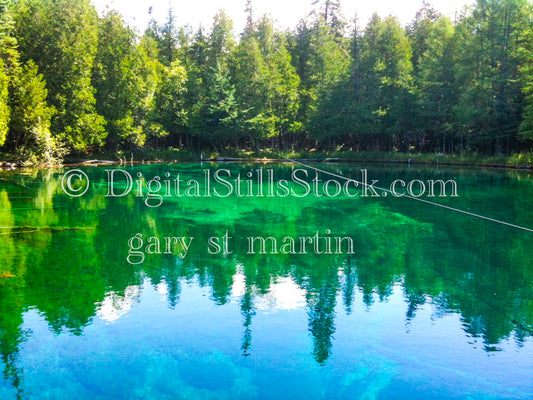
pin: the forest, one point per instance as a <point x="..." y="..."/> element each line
<point x="76" y="82"/>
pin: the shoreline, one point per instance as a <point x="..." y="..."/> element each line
<point x="11" y="165"/>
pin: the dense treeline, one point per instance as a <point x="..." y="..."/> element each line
<point x="73" y="81"/>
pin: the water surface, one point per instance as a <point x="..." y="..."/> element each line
<point x="433" y="304"/>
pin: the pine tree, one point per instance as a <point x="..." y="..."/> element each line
<point x="213" y="114"/>
<point x="322" y="62"/>
<point x="215" y="118"/>
<point x="330" y="11"/>
<point x="121" y="86"/>
<point x="250" y="75"/>
<point x="7" y="54"/>
<point x="419" y="31"/>
<point x="437" y="86"/>
<point x="60" y="36"/>
<point x="29" y="127"/>
<point x="387" y="83"/>
<point x="24" y="112"/>
<point x="488" y="112"/>
<point x="525" y="54"/>
<point x="168" y="40"/>
<point x="170" y="102"/>
<point x="221" y="41"/>
<point x="4" y="107"/>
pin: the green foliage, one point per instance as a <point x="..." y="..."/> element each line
<point x="113" y="80"/>
<point x="221" y="41"/>
<point x="489" y="107"/>
<point x="126" y="78"/>
<point x="322" y="62"/>
<point x="61" y="38"/>
<point x="165" y="37"/>
<point x="214" y="118"/>
<point x="384" y="71"/>
<point x="24" y="112"/>
<point x="526" y="127"/>
<point x="524" y="53"/>
<point x="8" y="44"/>
<point x="330" y="12"/>
<point x="29" y="127"/>
<point x="266" y="83"/>
<point x="168" y="40"/>
<point x="437" y="89"/>
<point x="170" y="100"/>
<point x="437" y="85"/>
<point x="214" y="111"/>
<point x="4" y="107"/>
<point x="420" y="30"/>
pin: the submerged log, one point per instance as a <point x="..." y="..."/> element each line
<point x="17" y="230"/>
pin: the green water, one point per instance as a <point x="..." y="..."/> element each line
<point x="432" y="304"/>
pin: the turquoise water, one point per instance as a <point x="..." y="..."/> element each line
<point x="432" y="304"/>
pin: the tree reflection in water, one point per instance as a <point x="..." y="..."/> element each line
<point x="64" y="256"/>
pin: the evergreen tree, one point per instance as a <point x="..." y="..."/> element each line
<point x="215" y="118"/>
<point x="221" y="41"/>
<point x="69" y="77"/>
<point x="250" y="75"/>
<point x="24" y="112"/>
<point x="170" y="102"/>
<point x="525" y="54"/>
<point x="284" y="83"/>
<point x="214" y="114"/>
<point x="4" y="107"/>
<point x="437" y="87"/>
<point x="29" y="127"/>
<point x="168" y="41"/>
<point x="125" y="79"/>
<point x="266" y="83"/>
<point x="322" y="62"/>
<point x="113" y="80"/>
<point x="249" y="28"/>
<point x="7" y="54"/>
<point x="149" y="74"/>
<point x="420" y="30"/>
<point x="330" y="12"/>
<point x="299" y="46"/>
<point x="489" y="108"/>
<point x="61" y="37"/>
<point x="386" y="84"/>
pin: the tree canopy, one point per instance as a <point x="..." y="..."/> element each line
<point x="71" y="80"/>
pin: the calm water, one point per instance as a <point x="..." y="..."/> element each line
<point x="432" y="305"/>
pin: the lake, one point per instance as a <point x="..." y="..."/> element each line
<point x="126" y="297"/>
